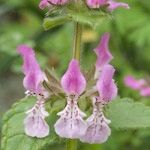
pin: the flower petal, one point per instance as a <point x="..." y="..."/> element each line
<point x="105" y="85"/>
<point x="96" y="3"/>
<point x="102" y="51"/>
<point x="33" y="74"/>
<point x="70" y="124"/>
<point x="145" y="91"/>
<point x="36" y="126"/>
<point x="43" y="4"/>
<point x="114" y="5"/>
<point x="73" y="82"/>
<point x="131" y="82"/>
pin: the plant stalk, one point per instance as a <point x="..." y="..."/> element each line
<point x="71" y="144"/>
<point x="77" y="41"/>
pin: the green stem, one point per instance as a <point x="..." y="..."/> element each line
<point x="77" y="41"/>
<point x="71" y="144"/>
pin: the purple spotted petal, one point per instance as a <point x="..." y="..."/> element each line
<point x="73" y="82"/>
<point x="145" y="91"/>
<point x="114" y="5"/>
<point x="33" y="74"/>
<point x="131" y="82"/>
<point x="70" y="124"/>
<point x="103" y="53"/>
<point x="105" y="85"/>
<point x="35" y="125"/>
<point x="98" y="130"/>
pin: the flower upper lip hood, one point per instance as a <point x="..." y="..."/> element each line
<point x="33" y="74"/>
<point x="105" y="85"/>
<point x="73" y="81"/>
<point x="102" y="51"/>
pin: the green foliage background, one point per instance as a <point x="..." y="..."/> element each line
<point x="21" y="22"/>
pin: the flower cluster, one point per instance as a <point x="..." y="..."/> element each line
<point x="142" y="85"/>
<point x="71" y="123"/>
<point x="94" y="4"/>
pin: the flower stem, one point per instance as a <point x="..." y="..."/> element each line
<point x="71" y="144"/>
<point x="77" y="41"/>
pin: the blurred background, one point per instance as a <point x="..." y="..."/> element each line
<point x="21" y="22"/>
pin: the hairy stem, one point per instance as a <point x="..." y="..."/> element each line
<point x="71" y="144"/>
<point x="77" y="41"/>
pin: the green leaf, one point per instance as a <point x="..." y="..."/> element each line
<point x="54" y="21"/>
<point x="13" y="136"/>
<point x="126" y="114"/>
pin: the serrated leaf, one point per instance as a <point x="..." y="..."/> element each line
<point x="13" y="136"/>
<point x="51" y="22"/>
<point x="126" y="114"/>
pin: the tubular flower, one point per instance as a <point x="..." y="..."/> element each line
<point x="98" y="130"/>
<point x="45" y="3"/>
<point x="114" y="5"/>
<point x="105" y="85"/>
<point x="131" y="82"/>
<point x="103" y="54"/>
<point x="35" y="124"/>
<point x="110" y="4"/>
<point x="96" y="3"/>
<point x="73" y="83"/>
<point x="145" y="91"/>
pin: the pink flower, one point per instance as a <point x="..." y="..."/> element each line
<point x="58" y="2"/>
<point x="96" y="3"/>
<point x="98" y="130"/>
<point x="35" y="125"/>
<point x="45" y="3"/>
<point x="105" y="85"/>
<point x="145" y="91"/>
<point x="131" y="82"/>
<point x="114" y="5"/>
<point x="103" y="54"/>
<point x="33" y="74"/>
<point x="70" y="124"/>
<point x="111" y="5"/>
